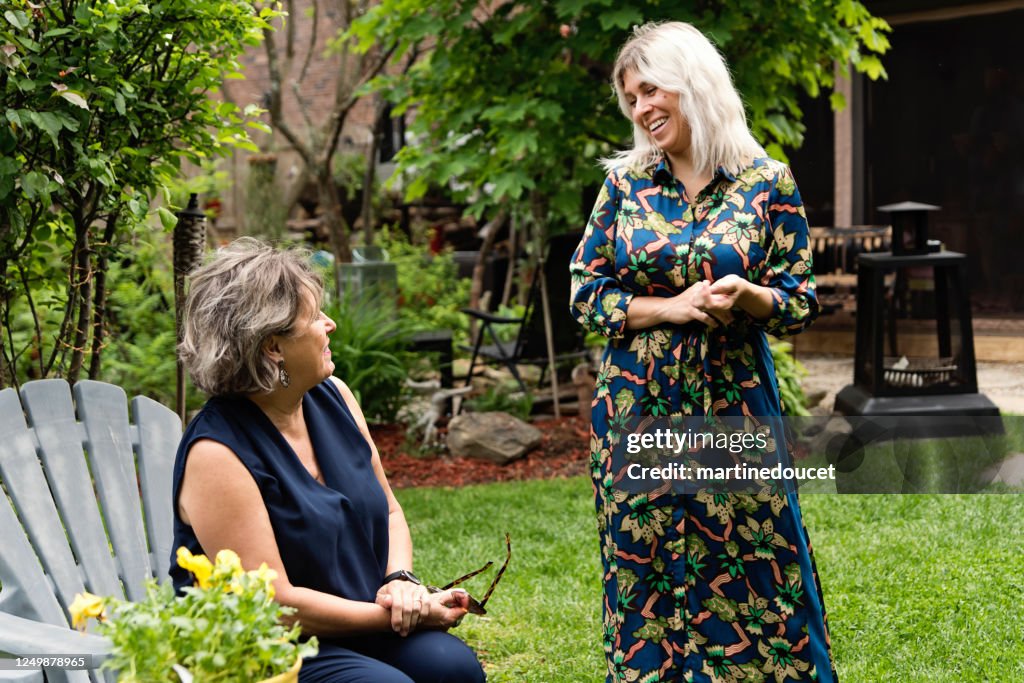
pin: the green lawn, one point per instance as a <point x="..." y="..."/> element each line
<point x="918" y="587"/>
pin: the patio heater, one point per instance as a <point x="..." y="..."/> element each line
<point x="914" y="342"/>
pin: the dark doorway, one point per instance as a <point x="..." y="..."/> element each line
<point x="947" y="128"/>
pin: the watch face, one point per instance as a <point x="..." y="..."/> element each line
<point x="402" y="575"/>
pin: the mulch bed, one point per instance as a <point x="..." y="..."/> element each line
<point x="562" y="453"/>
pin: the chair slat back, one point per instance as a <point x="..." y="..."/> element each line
<point x="74" y="518"/>
<point x="61" y="450"/>
<point x="103" y="409"/>
<point x="26" y="590"/>
<point x="158" y="432"/>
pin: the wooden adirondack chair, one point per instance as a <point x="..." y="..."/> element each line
<point x="73" y="518"/>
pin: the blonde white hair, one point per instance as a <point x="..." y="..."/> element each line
<point x="246" y="293"/>
<point x="678" y="58"/>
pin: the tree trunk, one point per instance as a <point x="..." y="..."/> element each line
<point x="539" y="210"/>
<point x="81" y="274"/>
<point x="6" y="364"/>
<point x="330" y="204"/>
<point x="100" y="300"/>
<point x="371" y="171"/>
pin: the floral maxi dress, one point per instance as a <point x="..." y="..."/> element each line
<point x="698" y="587"/>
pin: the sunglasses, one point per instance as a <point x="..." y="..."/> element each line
<point x="479" y="606"/>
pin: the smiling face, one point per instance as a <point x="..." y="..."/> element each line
<point x="304" y="349"/>
<point x="656" y="111"/>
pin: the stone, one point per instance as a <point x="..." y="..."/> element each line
<point x="496" y="437"/>
<point x="814" y="397"/>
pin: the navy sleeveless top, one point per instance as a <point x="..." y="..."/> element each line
<point x="333" y="537"/>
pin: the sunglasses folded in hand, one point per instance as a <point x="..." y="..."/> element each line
<point x="479" y="606"/>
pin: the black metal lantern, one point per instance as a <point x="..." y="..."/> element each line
<point x="910" y="227"/>
<point x="914" y="344"/>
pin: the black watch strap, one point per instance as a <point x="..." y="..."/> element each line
<point x="403" y="575"/>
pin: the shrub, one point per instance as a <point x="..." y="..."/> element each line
<point x="430" y="292"/>
<point x="789" y="371"/>
<point x="369" y="352"/>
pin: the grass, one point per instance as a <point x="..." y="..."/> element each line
<point x="922" y="587"/>
<point x="543" y="620"/>
<point x="937" y="465"/>
<point x="918" y="587"/>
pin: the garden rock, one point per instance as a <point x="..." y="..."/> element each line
<point x="497" y="437"/>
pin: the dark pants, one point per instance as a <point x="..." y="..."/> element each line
<point x="422" y="657"/>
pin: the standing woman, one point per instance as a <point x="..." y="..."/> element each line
<point x="697" y="247"/>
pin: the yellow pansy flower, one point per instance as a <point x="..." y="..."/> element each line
<point x="85" y="606"/>
<point x="199" y="565"/>
<point x="267" y="576"/>
<point x="227" y="562"/>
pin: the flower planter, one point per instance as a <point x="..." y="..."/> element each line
<point x="289" y="676"/>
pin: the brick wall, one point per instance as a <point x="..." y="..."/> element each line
<point x="317" y="90"/>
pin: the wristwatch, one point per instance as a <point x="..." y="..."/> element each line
<point x="403" y="575"/>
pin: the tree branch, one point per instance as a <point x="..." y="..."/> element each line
<point x="347" y="100"/>
<point x="275" y="106"/>
<point x="312" y="41"/>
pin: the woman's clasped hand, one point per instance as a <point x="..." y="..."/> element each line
<point x="414" y="606"/>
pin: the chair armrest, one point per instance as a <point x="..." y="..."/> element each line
<point x="22" y="676"/>
<point x="490" y="317"/>
<point x="20" y="636"/>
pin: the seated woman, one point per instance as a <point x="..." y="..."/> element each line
<point x="279" y="466"/>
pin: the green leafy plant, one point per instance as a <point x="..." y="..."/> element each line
<point x="226" y="628"/>
<point x="140" y="354"/>
<point x="789" y="371"/>
<point x="369" y="351"/>
<point x="430" y="292"/>
<point x="492" y="91"/>
<point x="87" y="143"/>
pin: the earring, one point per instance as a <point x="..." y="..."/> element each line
<point x="282" y="374"/>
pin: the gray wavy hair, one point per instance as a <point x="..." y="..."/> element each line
<point x="247" y="292"/>
<point x="678" y="58"/>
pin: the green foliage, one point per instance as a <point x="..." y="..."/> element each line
<point x="514" y="103"/>
<point x="507" y="332"/>
<point x="103" y="100"/>
<point x="788" y="372"/>
<point x="141" y="352"/>
<point x="369" y="352"/>
<point x="210" y="182"/>
<point x="226" y="628"/>
<point x="430" y="292"/>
